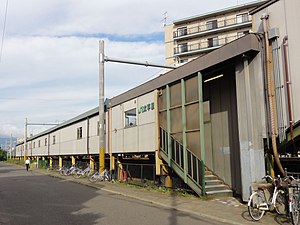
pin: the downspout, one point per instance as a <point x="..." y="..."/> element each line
<point x="108" y="125"/>
<point x="288" y="90"/>
<point x="88" y="136"/>
<point x="271" y="94"/>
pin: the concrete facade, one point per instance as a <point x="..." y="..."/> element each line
<point x="194" y="36"/>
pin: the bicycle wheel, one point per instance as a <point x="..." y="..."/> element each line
<point x="77" y="174"/>
<point x="256" y="204"/>
<point x="280" y="203"/>
<point x="294" y="209"/>
<point x="63" y="172"/>
<point x="93" y="178"/>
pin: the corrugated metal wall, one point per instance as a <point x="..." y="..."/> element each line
<point x="220" y="122"/>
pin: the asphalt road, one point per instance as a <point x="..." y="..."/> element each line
<point x="29" y="198"/>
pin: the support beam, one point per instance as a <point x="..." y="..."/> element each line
<point x="50" y="162"/>
<point x="37" y="161"/>
<point x="92" y="163"/>
<point x="169" y="125"/>
<point x="184" y="141"/>
<point x="60" y="162"/>
<point x="201" y="120"/>
<point x="73" y="160"/>
<point x="146" y="63"/>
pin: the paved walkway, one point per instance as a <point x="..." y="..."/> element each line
<point x="227" y="209"/>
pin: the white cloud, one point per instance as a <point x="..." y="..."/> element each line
<point x="50" y="79"/>
<point x="49" y="67"/>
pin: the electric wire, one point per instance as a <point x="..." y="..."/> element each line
<point x="3" y="32"/>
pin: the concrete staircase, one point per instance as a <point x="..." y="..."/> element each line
<point x="214" y="186"/>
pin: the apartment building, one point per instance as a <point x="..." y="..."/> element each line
<point x="194" y="36"/>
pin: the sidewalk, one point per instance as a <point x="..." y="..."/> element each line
<point x="226" y="210"/>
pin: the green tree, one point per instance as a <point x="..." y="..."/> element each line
<point x="3" y="155"/>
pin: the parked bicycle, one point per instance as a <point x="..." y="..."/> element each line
<point x="294" y="201"/>
<point x="259" y="203"/>
<point x="82" y="173"/>
<point x="67" y="172"/>
<point x="105" y="175"/>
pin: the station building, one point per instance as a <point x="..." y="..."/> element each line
<point x="215" y="116"/>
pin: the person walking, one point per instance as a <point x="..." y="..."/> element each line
<point x="27" y="163"/>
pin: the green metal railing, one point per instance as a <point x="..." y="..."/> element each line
<point x="173" y="152"/>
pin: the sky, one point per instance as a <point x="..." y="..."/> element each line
<point x="49" y="53"/>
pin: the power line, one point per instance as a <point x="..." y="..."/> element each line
<point x="3" y="33"/>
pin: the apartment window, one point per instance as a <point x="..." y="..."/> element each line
<point x="45" y="141"/>
<point x="242" y="18"/>
<point x="53" y="140"/>
<point x="182" y="48"/>
<point x="130" y="118"/>
<point x="79" y="132"/>
<point x="181" y="31"/>
<point x="212" y="42"/>
<point x="39" y="143"/>
<point x="212" y="25"/>
<point x="241" y="34"/>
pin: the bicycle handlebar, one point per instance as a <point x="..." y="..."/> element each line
<point x="267" y="176"/>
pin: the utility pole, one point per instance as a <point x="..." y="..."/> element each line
<point x="25" y="140"/>
<point x="101" y="107"/>
<point x="10" y="149"/>
<point x="102" y="60"/>
<point x="25" y="136"/>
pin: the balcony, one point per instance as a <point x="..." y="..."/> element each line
<point x="203" y="46"/>
<point x="213" y="27"/>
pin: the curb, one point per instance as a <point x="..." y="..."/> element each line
<point x="218" y="219"/>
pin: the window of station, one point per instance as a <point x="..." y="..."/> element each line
<point x="45" y="141"/>
<point x="33" y="144"/>
<point x="53" y="140"/>
<point x="130" y="118"/>
<point x="39" y="143"/>
<point x="79" y="133"/>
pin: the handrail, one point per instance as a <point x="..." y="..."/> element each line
<point x="205" y="27"/>
<point x="193" y="170"/>
<point x="205" y="44"/>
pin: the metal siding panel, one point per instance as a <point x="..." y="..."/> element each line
<point x="147" y="137"/>
<point x="208" y="146"/>
<point x="192" y="115"/>
<point x="176" y="120"/>
<point x="175" y="95"/>
<point x="193" y="143"/>
<point x="131" y="139"/>
<point x="191" y="89"/>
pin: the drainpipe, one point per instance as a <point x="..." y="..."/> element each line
<point x="88" y="136"/>
<point x="288" y="90"/>
<point x="271" y="94"/>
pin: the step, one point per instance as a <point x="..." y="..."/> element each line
<point x="207" y="172"/>
<point x="213" y="182"/>
<point x="212" y="194"/>
<point x="219" y="187"/>
<point x="210" y="177"/>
